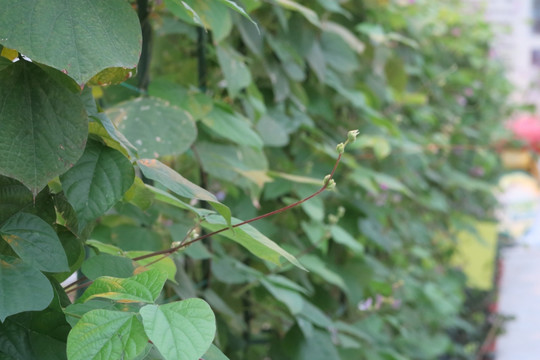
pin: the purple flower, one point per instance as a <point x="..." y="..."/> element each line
<point x="365" y="305"/>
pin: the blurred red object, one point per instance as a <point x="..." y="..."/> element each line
<point x="527" y="128"/>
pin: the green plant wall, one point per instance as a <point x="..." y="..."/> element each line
<point x="142" y="142"/>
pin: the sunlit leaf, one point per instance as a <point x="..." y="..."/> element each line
<point x="106" y="334"/>
<point x="144" y="287"/>
<point x="182" y="330"/>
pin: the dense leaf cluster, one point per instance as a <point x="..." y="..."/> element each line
<point x="236" y="111"/>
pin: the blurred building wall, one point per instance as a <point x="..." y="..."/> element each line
<point x="517" y="44"/>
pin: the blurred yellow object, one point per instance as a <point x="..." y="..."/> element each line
<point x="10" y="54"/>
<point x="475" y="254"/>
<point x="517" y="159"/>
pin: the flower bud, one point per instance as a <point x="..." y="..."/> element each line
<point x="340" y="148"/>
<point x="331" y="185"/>
<point x="332" y="219"/>
<point x="351" y="135"/>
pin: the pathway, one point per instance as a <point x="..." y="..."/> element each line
<point x="519" y="294"/>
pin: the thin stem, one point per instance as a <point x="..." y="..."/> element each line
<point x="178" y="247"/>
<point x="184" y="244"/>
<point x="79" y="287"/>
<point x="80" y="280"/>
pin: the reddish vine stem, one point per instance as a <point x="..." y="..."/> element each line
<point x="178" y="247"/>
<point x="172" y="250"/>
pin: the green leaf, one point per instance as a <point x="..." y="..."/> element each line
<point x="43" y="125"/>
<point x="250" y="238"/>
<point x="243" y="166"/>
<point x="139" y="195"/>
<point x="144" y="287"/>
<point x="35" y="242"/>
<point x="22" y="287"/>
<point x="314" y="264"/>
<point x="165" y="265"/>
<point x="196" y="103"/>
<point x="79" y="47"/>
<point x="344" y="238"/>
<point x="309" y="14"/>
<point x="107" y="265"/>
<point x="214" y="15"/>
<point x="396" y="76"/>
<point x="167" y="198"/>
<point x="74" y="312"/>
<point x="97" y="181"/>
<point x="19" y="342"/>
<point x="181" y="330"/>
<point x="110" y="76"/>
<point x="154" y="127"/>
<point x="232" y="126"/>
<point x="183" y="11"/>
<point x="15" y="197"/>
<point x="214" y="354"/>
<point x="272" y="132"/>
<point x="74" y="250"/>
<point x="106" y="334"/>
<point x="237" y="75"/>
<point x="292" y="299"/>
<point x="115" y="134"/>
<point x="155" y="170"/>
<point x="235" y="7"/>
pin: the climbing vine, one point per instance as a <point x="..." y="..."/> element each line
<point x="181" y="157"/>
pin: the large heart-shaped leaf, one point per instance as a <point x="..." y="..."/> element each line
<point x="181" y="330"/>
<point x="97" y="181"/>
<point x="154" y="127"/>
<point x="91" y="36"/>
<point x="144" y="287"/>
<point x="43" y="125"/>
<point x="35" y="242"/>
<point x="156" y="170"/>
<point x="106" y="334"/>
<point x="22" y="287"/>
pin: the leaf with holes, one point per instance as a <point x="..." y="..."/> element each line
<point x="43" y="125"/>
<point x="36" y="294"/>
<point x="144" y="287"/>
<point x="154" y="127"/>
<point x="97" y="181"/>
<point x="106" y="334"/>
<point x="182" y="330"/>
<point x="35" y="242"/>
<point x="77" y="37"/>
